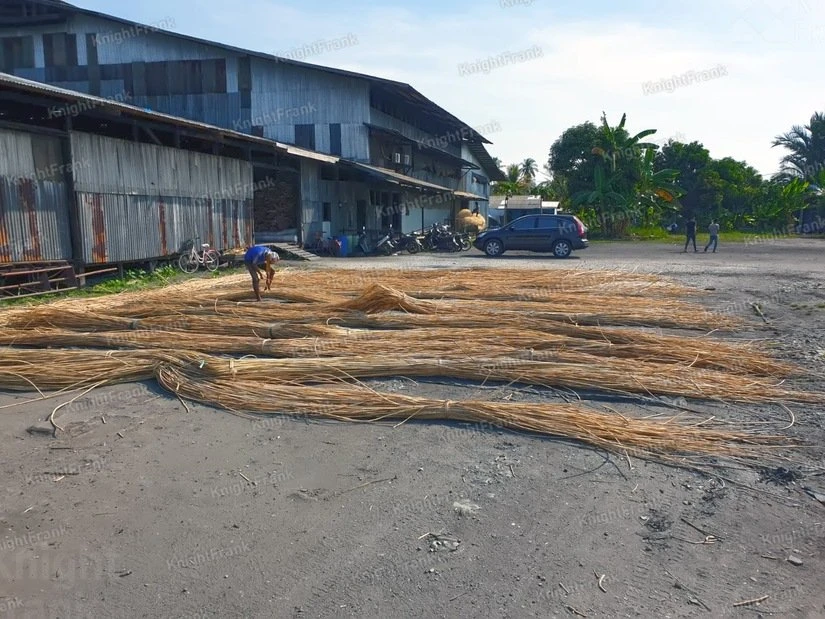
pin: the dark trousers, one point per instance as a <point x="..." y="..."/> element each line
<point x="714" y="240"/>
<point x="256" y="276"/>
<point x="691" y="237"/>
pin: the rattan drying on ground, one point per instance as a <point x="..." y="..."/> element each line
<point x="320" y="332"/>
<point x="659" y="438"/>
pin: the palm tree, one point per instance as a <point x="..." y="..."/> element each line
<point x="513" y="173"/>
<point x="528" y="170"/>
<point x="807" y="150"/>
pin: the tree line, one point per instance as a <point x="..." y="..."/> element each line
<point x="616" y="180"/>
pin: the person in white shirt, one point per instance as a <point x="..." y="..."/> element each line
<point x="713" y="230"/>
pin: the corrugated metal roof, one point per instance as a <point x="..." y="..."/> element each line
<point x="488" y="165"/>
<point x="468" y="196"/>
<point x="397" y="177"/>
<point x="19" y="83"/>
<point x="401" y="90"/>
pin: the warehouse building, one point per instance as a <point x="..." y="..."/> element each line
<point x="89" y="181"/>
<point x="396" y="158"/>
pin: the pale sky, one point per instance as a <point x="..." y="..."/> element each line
<point x="569" y="60"/>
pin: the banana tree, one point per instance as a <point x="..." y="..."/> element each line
<point x="616" y="144"/>
<point x="604" y="206"/>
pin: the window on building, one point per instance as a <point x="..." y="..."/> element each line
<point x="305" y="136"/>
<point x="335" y="139"/>
<point x="16" y="53"/>
<point x="326" y="209"/>
<point x="60" y="49"/>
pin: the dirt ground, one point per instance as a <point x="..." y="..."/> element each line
<point x="164" y="512"/>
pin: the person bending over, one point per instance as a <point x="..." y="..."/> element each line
<point x="258" y="260"/>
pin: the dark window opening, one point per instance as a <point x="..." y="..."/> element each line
<point x="361" y="213"/>
<point x="16" y="53"/>
<point x="305" y="136"/>
<point x="335" y="139"/>
<point x="60" y="49"/>
<point x="326" y="208"/>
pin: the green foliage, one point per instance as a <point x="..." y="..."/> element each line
<point x="571" y="159"/>
<point x="626" y="187"/>
<point x="806" y="150"/>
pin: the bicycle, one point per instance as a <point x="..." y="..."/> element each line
<point x="190" y="261"/>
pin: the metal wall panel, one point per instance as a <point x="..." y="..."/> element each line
<point x="34" y="220"/>
<point x="140" y="201"/>
<point x="108" y="165"/>
<point x="121" y="228"/>
<point x="355" y="142"/>
<point x="117" y="42"/>
<point x="34" y="204"/>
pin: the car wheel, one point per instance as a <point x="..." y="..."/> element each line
<point x="493" y="248"/>
<point x="562" y="248"/>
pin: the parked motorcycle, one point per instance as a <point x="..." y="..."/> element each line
<point x="409" y="243"/>
<point x="384" y="247"/>
<point x="439" y="238"/>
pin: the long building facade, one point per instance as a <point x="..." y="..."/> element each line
<point x="395" y="157"/>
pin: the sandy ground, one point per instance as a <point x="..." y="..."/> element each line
<point x="160" y="512"/>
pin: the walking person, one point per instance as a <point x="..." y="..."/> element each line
<point x="258" y="260"/>
<point x="713" y="230"/>
<point x="690" y="234"/>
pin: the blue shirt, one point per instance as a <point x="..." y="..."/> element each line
<point x="256" y="254"/>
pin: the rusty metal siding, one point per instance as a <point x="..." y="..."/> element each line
<point x="34" y="199"/>
<point x="140" y="201"/>
<point x="119" y="228"/>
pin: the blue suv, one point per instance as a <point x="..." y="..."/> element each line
<point x="559" y="234"/>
